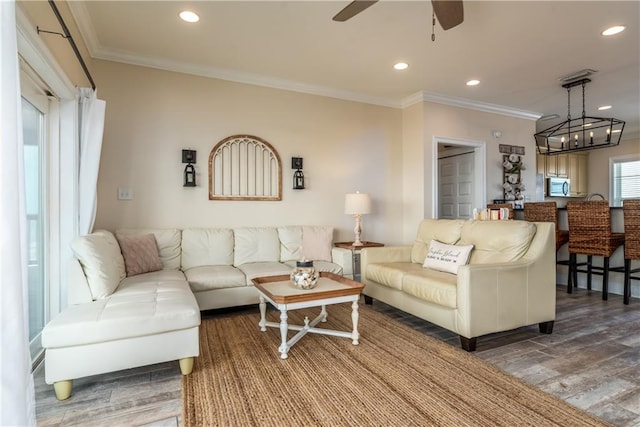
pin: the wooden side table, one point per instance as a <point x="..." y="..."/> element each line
<point x="355" y="254"/>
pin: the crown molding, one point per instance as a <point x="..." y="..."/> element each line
<point x="85" y="26"/>
<point x="424" y="96"/>
<point x="83" y="20"/>
<point x="238" y="77"/>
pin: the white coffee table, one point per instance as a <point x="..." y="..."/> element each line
<point x="283" y="295"/>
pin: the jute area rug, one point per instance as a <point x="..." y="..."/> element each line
<point x="395" y="377"/>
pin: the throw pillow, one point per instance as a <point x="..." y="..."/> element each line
<point x="140" y="253"/>
<point x="206" y="246"/>
<point x="445" y="257"/>
<point x="168" y="240"/>
<point x="290" y="243"/>
<point x="101" y="260"/>
<point x="316" y="243"/>
<point x="255" y="244"/>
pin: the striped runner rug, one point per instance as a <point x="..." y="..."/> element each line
<point x="396" y="376"/>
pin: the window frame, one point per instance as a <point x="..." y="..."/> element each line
<point x="616" y="200"/>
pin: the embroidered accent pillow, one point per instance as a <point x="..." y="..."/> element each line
<point x="447" y="258"/>
<point x="140" y="253"/>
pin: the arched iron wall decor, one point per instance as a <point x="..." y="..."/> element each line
<point x="244" y="167"/>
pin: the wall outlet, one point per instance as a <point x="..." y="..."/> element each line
<point x="125" y="194"/>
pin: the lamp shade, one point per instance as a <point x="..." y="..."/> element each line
<point x="357" y="204"/>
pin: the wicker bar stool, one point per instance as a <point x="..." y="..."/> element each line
<point x="546" y="212"/>
<point x="503" y="205"/>
<point x="631" y="212"/>
<point x="590" y="234"/>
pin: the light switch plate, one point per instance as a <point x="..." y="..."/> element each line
<point x="125" y="194"/>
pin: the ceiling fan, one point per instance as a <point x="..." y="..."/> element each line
<point x="449" y="12"/>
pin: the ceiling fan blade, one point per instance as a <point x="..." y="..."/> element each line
<point x="449" y="12"/>
<point x="352" y="9"/>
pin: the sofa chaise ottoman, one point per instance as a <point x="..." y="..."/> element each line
<point x="135" y="297"/>
<point x="117" y="322"/>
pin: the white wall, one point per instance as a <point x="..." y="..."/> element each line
<point x="346" y="146"/>
<point x="413" y="169"/>
<point x="457" y="123"/>
<point x="152" y="115"/>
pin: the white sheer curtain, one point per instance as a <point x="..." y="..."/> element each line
<point x="91" y="129"/>
<point x="17" y="401"/>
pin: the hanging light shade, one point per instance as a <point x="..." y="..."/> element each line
<point x="583" y="133"/>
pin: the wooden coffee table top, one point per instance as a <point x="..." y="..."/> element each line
<point x="280" y="290"/>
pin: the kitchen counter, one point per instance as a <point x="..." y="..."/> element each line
<point x="564" y="208"/>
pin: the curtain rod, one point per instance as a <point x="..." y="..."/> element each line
<point x="67" y="35"/>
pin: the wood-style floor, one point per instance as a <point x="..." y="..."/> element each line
<point x="592" y="360"/>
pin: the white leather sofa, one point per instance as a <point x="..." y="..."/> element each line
<point x="219" y="264"/>
<point x="509" y="281"/>
<point x="135" y="297"/>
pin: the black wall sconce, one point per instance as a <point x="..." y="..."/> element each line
<point x="189" y="157"/>
<point x="298" y="176"/>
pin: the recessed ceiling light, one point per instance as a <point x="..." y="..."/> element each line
<point x="401" y="66"/>
<point x="473" y="82"/>
<point x="189" y="16"/>
<point x="613" y="30"/>
<point x="604" y="107"/>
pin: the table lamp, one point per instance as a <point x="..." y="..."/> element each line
<point x="357" y="204"/>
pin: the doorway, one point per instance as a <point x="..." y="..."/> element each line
<point x="459" y="180"/>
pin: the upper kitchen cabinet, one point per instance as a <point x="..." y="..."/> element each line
<point x="573" y="166"/>
<point x="557" y="166"/>
<point x="577" y="172"/>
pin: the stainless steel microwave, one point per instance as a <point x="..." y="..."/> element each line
<point x="558" y="187"/>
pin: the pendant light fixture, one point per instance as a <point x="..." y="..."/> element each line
<point x="584" y="133"/>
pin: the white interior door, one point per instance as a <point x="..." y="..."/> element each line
<point x="456" y="187"/>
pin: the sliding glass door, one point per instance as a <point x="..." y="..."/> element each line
<point x="35" y="167"/>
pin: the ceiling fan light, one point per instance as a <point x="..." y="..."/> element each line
<point x="613" y="30"/>
<point x="189" y="16"/>
<point x="401" y="66"/>
<point x="473" y="82"/>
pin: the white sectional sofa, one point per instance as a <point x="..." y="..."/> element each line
<point x="135" y="297"/>
<point x="508" y="282"/>
<point x="220" y="263"/>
